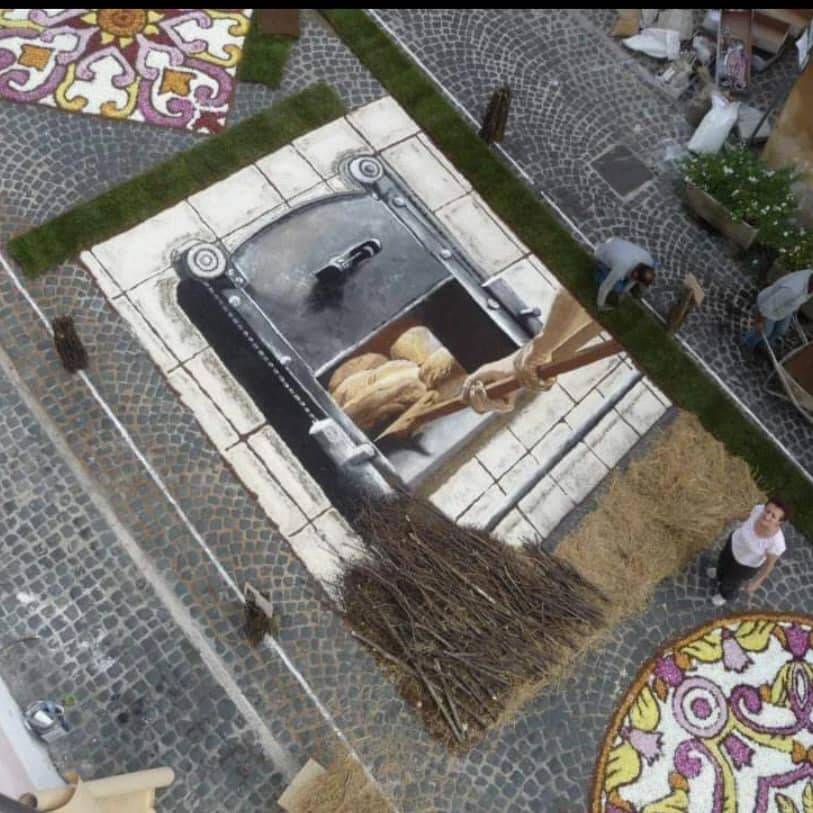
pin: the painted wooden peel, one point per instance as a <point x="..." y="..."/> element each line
<point x="412" y="420"/>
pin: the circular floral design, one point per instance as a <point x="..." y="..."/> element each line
<point x="719" y="722"/>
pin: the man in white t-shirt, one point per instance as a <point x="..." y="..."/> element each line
<point x="751" y="551"/>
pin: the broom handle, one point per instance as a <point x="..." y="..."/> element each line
<point x="499" y="389"/>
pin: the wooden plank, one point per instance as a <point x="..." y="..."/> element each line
<point x="283" y="21"/>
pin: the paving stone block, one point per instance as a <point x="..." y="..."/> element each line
<point x="546" y="505"/>
<point x="220" y="385"/>
<point x="500" y="453"/>
<point x="615" y="380"/>
<point x="585" y="409"/>
<point x="483" y="509"/>
<point x="109" y="288"/>
<point x="612" y="439"/>
<point x="422" y="171"/>
<point x="552" y="443"/>
<point x="319" y="191"/>
<point x="288" y="171"/>
<point x="533" y="287"/>
<point x="326" y="147"/>
<point x="442" y="159"/>
<point x="479" y="234"/>
<point x="235" y="201"/>
<point x="545" y="410"/>
<point x="640" y="408"/>
<point x="137" y="254"/>
<point x="323" y="544"/>
<point x="211" y="419"/>
<point x="579" y="473"/>
<point x="278" y="506"/>
<point x="515" y="530"/>
<point x="465" y="486"/>
<point x="383" y="122"/>
<point x="288" y="472"/>
<point x="579" y="382"/>
<point x="659" y="394"/>
<point x="149" y="339"/>
<point x="157" y="301"/>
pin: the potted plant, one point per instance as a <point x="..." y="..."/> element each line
<point x="738" y="194"/>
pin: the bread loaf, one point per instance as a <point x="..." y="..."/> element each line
<point x="440" y="368"/>
<point x="386" y="398"/>
<point x="359" y="382"/>
<point x="415" y="344"/>
<point x="357" y="364"/>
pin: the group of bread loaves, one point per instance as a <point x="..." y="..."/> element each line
<point x="375" y="390"/>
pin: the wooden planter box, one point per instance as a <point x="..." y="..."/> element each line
<point x="715" y="214"/>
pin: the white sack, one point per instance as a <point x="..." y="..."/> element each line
<point x="677" y="19"/>
<point x="710" y="136"/>
<point x="655" y="42"/>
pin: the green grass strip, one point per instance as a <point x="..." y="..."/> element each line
<point x="657" y="354"/>
<point x="172" y="181"/>
<point x="264" y="55"/>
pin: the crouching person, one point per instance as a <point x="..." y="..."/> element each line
<point x="621" y="268"/>
<point x="751" y="552"/>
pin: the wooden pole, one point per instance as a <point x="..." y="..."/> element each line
<point x="408" y="424"/>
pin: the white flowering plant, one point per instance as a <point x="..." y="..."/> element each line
<point x="753" y="192"/>
<point x="797" y="250"/>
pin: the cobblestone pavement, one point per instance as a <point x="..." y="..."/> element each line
<point x="106" y="647"/>
<point x="540" y="763"/>
<point x="576" y="94"/>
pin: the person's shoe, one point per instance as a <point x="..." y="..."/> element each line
<point x="711" y="572"/>
<point x="717" y="600"/>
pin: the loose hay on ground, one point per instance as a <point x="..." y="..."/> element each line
<point x="656" y="516"/>
<point x="343" y="788"/>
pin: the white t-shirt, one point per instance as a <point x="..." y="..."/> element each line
<point x="750" y="549"/>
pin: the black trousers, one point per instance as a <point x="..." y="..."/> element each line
<point x="731" y="575"/>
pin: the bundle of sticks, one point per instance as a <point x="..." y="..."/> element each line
<point x="465" y="621"/>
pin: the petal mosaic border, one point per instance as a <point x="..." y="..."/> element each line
<point x="720" y="721"/>
<point x="169" y="67"/>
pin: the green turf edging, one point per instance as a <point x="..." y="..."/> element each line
<point x="264" y="55"/>
<point x="657" y="354"/>
<point x="170" y="182"/>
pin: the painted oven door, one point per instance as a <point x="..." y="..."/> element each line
<point x="324" y="315"/>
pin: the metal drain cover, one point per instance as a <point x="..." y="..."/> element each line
<point x="622" y="170"/>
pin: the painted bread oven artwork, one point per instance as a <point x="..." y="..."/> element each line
<point x="319" y="312"/>
<point x="394" y="376"/>
<point x="365" y="307"/>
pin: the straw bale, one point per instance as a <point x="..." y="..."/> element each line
<point x="656" y="516"/>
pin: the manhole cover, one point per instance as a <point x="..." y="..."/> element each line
<point x="622" y="170"/>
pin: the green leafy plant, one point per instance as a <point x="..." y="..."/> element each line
<point x="797" y="250"/>
<point x="264" y="55"/>
<point x="749" y="189"/>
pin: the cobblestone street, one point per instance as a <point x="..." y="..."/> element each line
<point x="125" y="532"/>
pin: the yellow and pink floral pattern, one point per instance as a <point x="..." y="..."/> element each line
<point x="170" y="67"/>
<point x="719" y="722"/>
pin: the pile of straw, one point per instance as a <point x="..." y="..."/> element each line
<point x="463" y="620"/>
<point x="343" y="788"/>
<point x="659" y="514"/>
